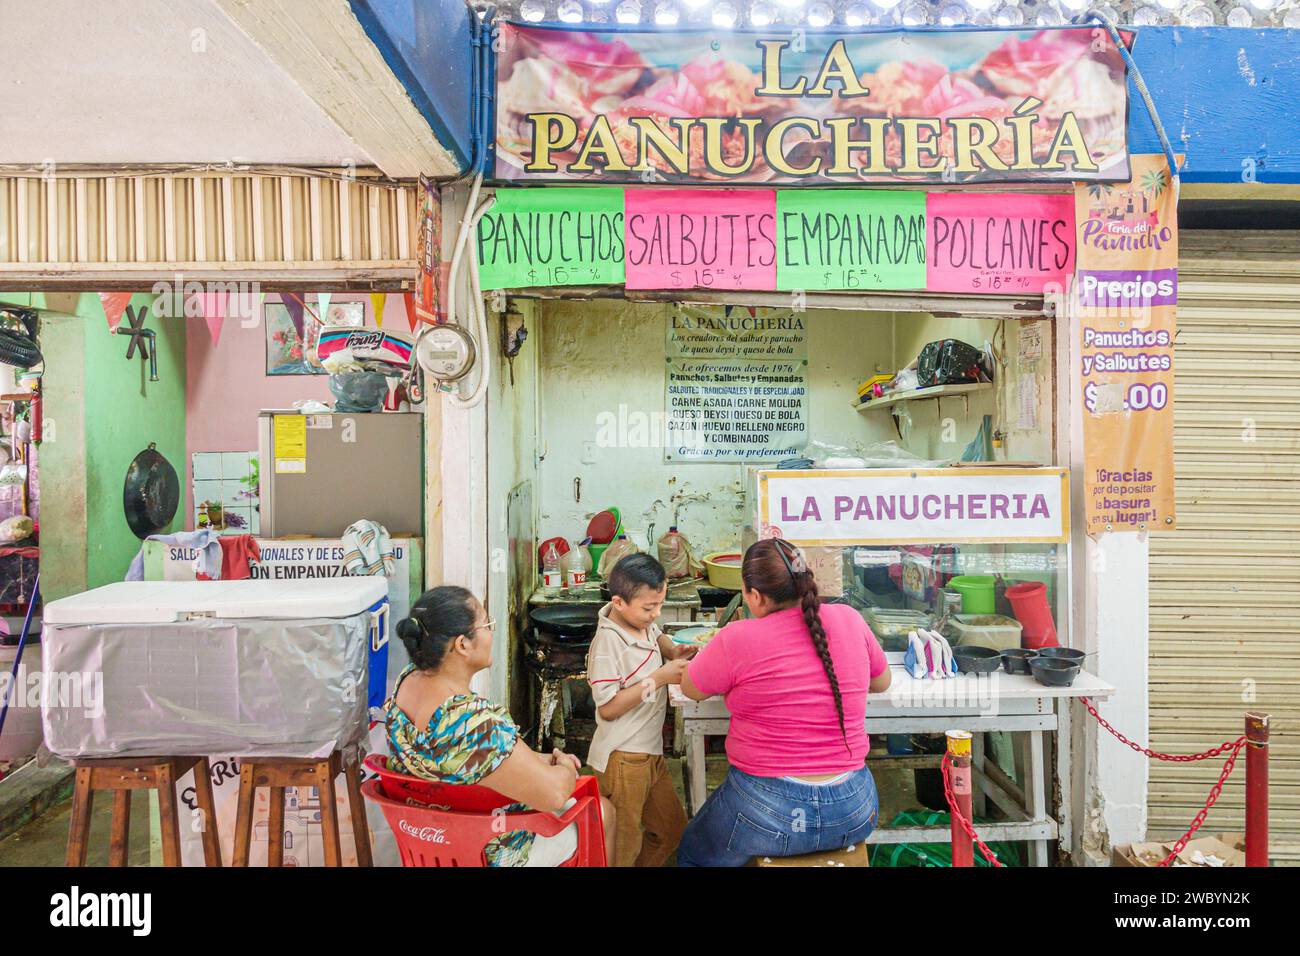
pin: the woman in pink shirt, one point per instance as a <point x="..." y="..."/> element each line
<point x="795" y="678"/>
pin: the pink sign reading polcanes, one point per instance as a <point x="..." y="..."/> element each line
<point x="700" y="238"/>
<point x="998" y="242"/>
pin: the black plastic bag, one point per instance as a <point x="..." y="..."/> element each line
<point x="948" y="362"/>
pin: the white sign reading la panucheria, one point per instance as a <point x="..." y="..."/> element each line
<point x="922" y="506"/>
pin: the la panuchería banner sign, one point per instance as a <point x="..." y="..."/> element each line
<point x="916" y="506"/>
<point x="768" y="239"/>
<point x="834" y="106"/>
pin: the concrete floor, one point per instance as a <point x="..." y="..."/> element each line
<point x="43" y="842"/>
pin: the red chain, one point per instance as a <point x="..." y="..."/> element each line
<point x="1233" y="745"/>
<point x="959" y="816"/>
<point x="1214" y="795"/>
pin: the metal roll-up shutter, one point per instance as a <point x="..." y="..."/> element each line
<point x="123" y="231"/>
<point x="1225" y="587"/>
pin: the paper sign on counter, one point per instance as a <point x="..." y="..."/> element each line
<point x="701" y="239"/>
<point x="999" y="242"/>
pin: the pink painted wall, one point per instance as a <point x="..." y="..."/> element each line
<point x="227" y="385"/>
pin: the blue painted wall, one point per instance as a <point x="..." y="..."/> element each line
<point x="426" y="44"/>
<point x="1228" y="98"/>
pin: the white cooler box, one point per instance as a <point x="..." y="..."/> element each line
<point x="244" y="668"/>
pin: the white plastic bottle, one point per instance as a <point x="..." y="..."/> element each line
<point x="552" y="576"/>
<point x="575" y="567"/>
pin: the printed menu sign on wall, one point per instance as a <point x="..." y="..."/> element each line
<point x="737" y="387"/>
<point x="744" y="332"/>
<point x="1127" y="288"/>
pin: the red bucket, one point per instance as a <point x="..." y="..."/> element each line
<point x="1029" y="605"/>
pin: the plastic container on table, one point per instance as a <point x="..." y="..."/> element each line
<point x="985" y="630"/>
<point x="1029" y="604"/>
<point x="892" y="625"/>
<point x="976" y="592"/>
<point x="618" y="549"/>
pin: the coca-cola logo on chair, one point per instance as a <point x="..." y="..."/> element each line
<point x="427" y="834"/>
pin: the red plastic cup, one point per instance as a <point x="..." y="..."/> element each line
<point x="1029" y="605"/>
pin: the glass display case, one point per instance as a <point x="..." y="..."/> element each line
<point x="999" y="596"/>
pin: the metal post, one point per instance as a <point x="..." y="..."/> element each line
<point x="959" y="746"/>
<point x="1256" y="789"/>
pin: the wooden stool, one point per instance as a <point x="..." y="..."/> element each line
<point x="855" y="855"/>
<point x="124" y="774"/>
<point x="277" y="773"/>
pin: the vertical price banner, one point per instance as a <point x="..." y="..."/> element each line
<point x="1126" y="283"/>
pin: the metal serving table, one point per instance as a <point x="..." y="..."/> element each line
<point x="972" y="702"/>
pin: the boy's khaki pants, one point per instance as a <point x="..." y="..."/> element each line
<point x="642" y="792"/>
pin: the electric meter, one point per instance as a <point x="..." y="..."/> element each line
<point x="445" y="352"/>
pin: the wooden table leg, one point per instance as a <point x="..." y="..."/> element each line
<point x="329" y="811"/>
<point x="83" y="798"/>
<point x="244" y="814"/>
<point x="275" y="829"/>
<point x="207" y="816"/>
<point x="168" y="815"/>
<point x="120" y="839"/>
<point x="357" y="808"/>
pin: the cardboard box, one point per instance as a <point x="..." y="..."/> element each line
<point x="1228" y="847"/>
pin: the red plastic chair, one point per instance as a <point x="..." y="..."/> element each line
<point x="416" y="791"/>
<point x="438" y="824"/>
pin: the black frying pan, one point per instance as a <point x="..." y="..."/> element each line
<point x="566" y="622"/>
<point x="151" y="494"/>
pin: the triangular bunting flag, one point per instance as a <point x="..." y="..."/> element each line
<point x="293" y="303"/>
<point x="114" y="304"/>
<point x="409" y="300"/>
<point x="323" y="306"/>
<point x="214" y="311"/>
<point x="377" y="302"/>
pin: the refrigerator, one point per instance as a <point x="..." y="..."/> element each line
<point x="320" y="473"/>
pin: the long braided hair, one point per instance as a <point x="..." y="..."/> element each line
<point x="776" y="569"/>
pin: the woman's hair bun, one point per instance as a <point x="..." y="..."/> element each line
<point x="437" y="618"/>
<point x="410" y="631"/>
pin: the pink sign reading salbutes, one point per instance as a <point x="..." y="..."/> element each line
<point x="700" y="238"/>
<point x="998" y="242"/>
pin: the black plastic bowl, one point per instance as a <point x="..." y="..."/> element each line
<point x="976" y="660"/>
<point x="1054" y="672"/>
<point x="1062" y="654"/>
<point x="1015" y="660"/>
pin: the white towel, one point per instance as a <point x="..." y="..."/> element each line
<point x="367" y="550"/>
